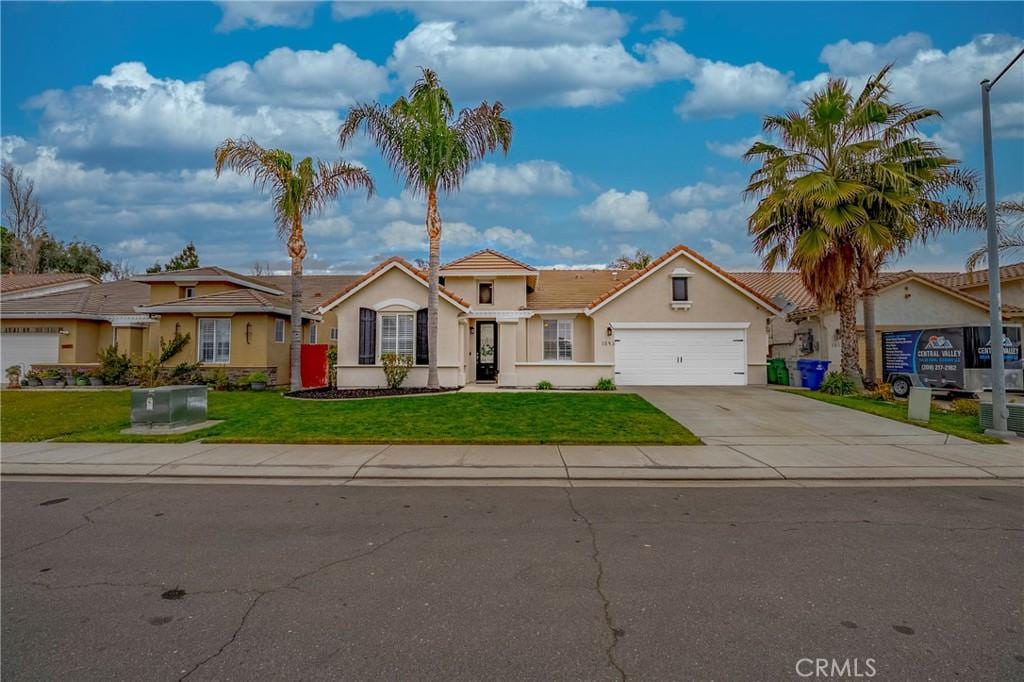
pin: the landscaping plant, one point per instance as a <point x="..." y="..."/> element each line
<point x="332" y="366"/>
<point x="605" y="384"/>
<point x="186" y="374"/>
<point x="114" y="366"/>
<point x="838" y="383"/>
<point x="882" y="391"/>
<point x="146" y="372"/>
<point x="257" y="381"/>
<point x="168" y="349"/>
<point x="396" y="368"/>
<point x="964" y="406"/>
<point x="34" y="377"/>
<point x="544" y="385"/>
<point x="219" y="379"/>
<point x="13" y="376"/>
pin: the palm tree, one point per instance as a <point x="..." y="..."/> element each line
<point x="1009" y="222"/>
<point x="430" y="149"/>
<point x="638" y="261"/>
<point x="840" y="193"/>
<point x="299" y="190"/>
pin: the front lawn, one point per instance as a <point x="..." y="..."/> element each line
<point x="962" y="425"/>
<point x="489" y="418"/>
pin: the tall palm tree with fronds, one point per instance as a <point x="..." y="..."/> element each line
<point x="430" y="149"/>
<point x="299" y="190"/>
<point x="839" y="192"/>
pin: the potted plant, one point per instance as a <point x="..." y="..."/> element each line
<point x="51" y="376"/>
<point x="33" y="378"/>
<point x="81" y="379"/>
<point x="14" y="376"/>
<point x="95" y="377"/>
<point x="257" y="381"/>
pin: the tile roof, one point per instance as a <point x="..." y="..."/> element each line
<point x="788" y="284"/>
<point x="556" y="289"/>
<point x="316" y="289"/>
<point x="110" y="298"/>
<point x="671" y="253"/>
<point x="20" y="282"/>
<point x="959" y="280"/>
<point x="210" y="271"/>
<point x="381" y="266"/>
<point x="235" y="298"/>
<point x="486" y="259"/>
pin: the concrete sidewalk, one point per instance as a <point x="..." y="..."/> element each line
<point x="895" y="458"/>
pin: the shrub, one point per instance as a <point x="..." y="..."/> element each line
<point x="186" y="374"/>
<point x="396" y="368"/>
<point x="604" y="384"/>
<point x="881" y="392"/>
<point x="219" y="379"/>
<point x="114" y="366"/>
<point x="837" y="383"/>
<point x="544" y="385"/>
<point x="332" y="366"/>
<point x="964" y="406"/>
<point x="255" y="378"/>
<point x="171" y="348"/>
<point x="51" y="373"/>
<point x="146" y="372"/>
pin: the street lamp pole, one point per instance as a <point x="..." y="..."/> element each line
<point x="999" y="412"/>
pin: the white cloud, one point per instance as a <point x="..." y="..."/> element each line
<point x="720" y="249"/>
<point x="628" y="212"/>
<point x="242" y="14"/>
<point x="726" y="221"/>
<point x="508" y="237"/>
<point x="846" y="57"/>
<point x="724" y="89"/>
<point x="523" y="179"/>
<point x="735" y="149"/>
<point x="666" y="23"/>
<point x="305" y="79"/>
<point x="704" y="193"/>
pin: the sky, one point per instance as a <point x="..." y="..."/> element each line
<point x="629" y="118"/>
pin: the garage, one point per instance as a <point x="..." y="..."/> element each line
<point x="681" y="354"/>
<point x="26" y="350"/>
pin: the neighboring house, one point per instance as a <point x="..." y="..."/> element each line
<point x="1011" y="286"/>
<point x="13" y="287"/>
<point x="239" y="323"/>
<point x="680" y="321"/>
<point x="906" y="300"/>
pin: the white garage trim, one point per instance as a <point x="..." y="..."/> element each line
<point x="681" y="354"/>
<point x="680" y="325"/>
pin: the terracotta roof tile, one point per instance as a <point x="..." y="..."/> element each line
<point x="486" y="259"/>
<point x="958" y="280"/>
<point x="772" y="284"/>
<point x="10" y="283"/>
<point x="556" y="289"/>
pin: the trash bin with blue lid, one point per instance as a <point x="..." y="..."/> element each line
<point x="812" y="373"/>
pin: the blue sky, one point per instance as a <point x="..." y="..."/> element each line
<point x="629" y="117"/>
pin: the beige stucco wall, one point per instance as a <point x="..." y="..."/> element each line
<point x="1012" y="292"/>
<point x="161" y="292"/>
<point x="509" y="292"/>
<point x="393" y="284"/>
<point x="562" y="374"/>
<point x="714" y="300"/>
<point x="582" y="337"/>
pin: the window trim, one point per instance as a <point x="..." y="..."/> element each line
<point x="681" y="303"/>
<point x="558" y="322"/>
<point x="199" y="343"/>
<point x="380" y="332"/>
<point x="279" y="324"/>
<point x="333" y="335"/>
<point x="479" y="284"/>
<point x="187" y="290"/>
<point x="313" y="332"/>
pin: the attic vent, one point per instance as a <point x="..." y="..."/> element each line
<point x="615" y="274"/>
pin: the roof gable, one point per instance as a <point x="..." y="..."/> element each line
<point x="486" y="260"/>
<point x="395" y="262"/>
<point x="208" y="274"/>
<point x="663" y="260"/>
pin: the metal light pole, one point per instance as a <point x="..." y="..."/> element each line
<point x="999" y="413"/>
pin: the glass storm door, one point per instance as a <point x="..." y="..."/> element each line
<point x="486" y="351"/>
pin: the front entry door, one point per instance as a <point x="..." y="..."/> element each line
<point x="486" y="351"/>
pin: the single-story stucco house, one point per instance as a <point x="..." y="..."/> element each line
<point x="680" y="321"/>
<point x="906" y="300"/>
<point x="237" y="322"/>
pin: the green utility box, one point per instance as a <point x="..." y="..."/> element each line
<point x="778" y="373"/>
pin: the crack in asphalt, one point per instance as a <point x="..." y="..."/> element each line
<point x="845" y="522"/>
<point x="290" y="585"/>
<point x="88" y="522"/>
<point x="595" y="556"/>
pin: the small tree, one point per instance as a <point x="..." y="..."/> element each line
<point x="638" y="261"/>
<point x="396" y="368"/>
<point x="186" y="259"/>
<point x="24" y="217"/>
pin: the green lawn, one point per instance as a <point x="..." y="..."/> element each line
<point x="964" y="426"/>
<point x="490" y="418"/>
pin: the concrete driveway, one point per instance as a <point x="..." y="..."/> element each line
<point x="753" y="415"/>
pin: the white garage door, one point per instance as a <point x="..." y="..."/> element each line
<point x="26" y="350"/>
<point x="680" y="356"/>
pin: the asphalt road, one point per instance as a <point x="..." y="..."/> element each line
<point x="464" y="583"/>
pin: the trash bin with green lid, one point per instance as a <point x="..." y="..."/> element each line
<point x="778" y="373"/>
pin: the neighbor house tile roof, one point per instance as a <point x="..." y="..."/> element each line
<point x="772" y="284"/>
<point x="235" y="299"/>
<point x="671" y="253"/>
<point x="486" y="260"/>
<point x="10" y="283"/>
<point x="110" y="298"/>
<point x="556" y="289"/>
<point x="316" y="289"/>
<point x="381" y="266"/>
<point x="960" y="280"/>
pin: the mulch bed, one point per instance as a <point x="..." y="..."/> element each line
<point x="357" y="393"/>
